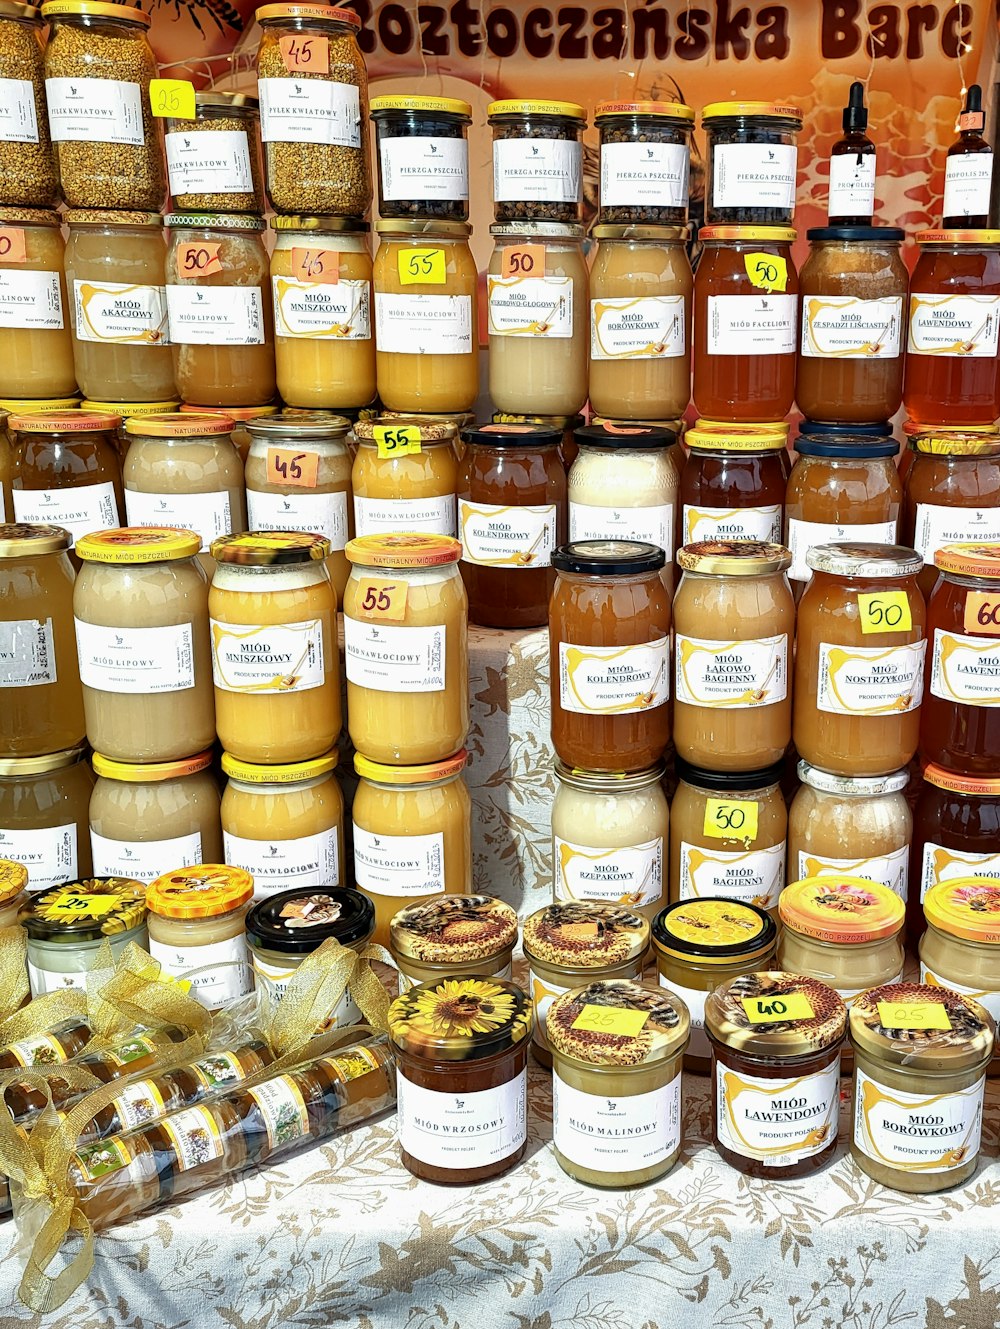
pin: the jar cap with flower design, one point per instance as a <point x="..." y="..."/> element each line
<point x="842" y="910"/>
<point x="965" y="907"/>
<point x="618" y="1022"/>
<point x="84" y="910"/>
<point x="461" y="1018"/>
<point x="203" y="891"/>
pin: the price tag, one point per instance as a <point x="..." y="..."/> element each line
<point x="380" y="599"/>
<point x="316" y="265"/>
<point x="767" y="272"/>
<point x="196" y="259"/>
<point x="12" y="248"/>
<point x="305" y="55"/>
<point x="611" y="1020"/>
<point x="421" y="267"/>
<point x="772" y="1010"/>
<point x="730" y="819"/>
<point x="396" y="440"/>
<point x="77" y="905"/>
<point x="913" y="1015"/>
<point x="885" y="611"/>
<point x="523" y="261"/>
<point x="285" y="466"/>
<point x="173" y="97"/>
<point x="982" y="609"/>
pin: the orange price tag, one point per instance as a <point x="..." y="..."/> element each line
<point x="12" y="245"/>
<point x="305" y="55"/>
<point x="379" y="599"/>
<point x="196" y="259"/>
<point x="285" y="466"/>
<point x="316" y="265"/>
<point x="982" y="613"/>
<point x="523" y="261"/>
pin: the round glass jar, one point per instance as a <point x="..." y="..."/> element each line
<point x="952" y="369"/>
<point x="273" y="617"/>
<point x="861" y="825"/>
<point x="213" y="160"/>
<point x="423" y="157"/>
<point x="284" y="825"/>
<point x="298" y="478"/>
<point x="68" y="923"/>
<point x="732" y="483"/>
<point x="645" y="162"/>
<point x="412" y="835"/>
<point x="196" y="920"/>
<point x="313" y="89"/>
<point x="610" y="834"/>
<point x="960" y="949"/>
<point x="219" y="308"/>
<point x="239" y="415"/>
<point x="859" y="664"/>
<point x="734" y="620"/>
<point x="426" y="328"/>
<point x="98" y="68"/>
<point x="34" y="313"/>
<point x="623" y="486"/>
<point x="511" y="494"/>
<point x="41" y="703"/>
<point x="956" y="833"/>
<point x="537" y="160"/>
<point x="701" y="943"/>
<point x="571" y="944"/>
<point x="853" y="288"/>
<point x="44" y="804"/>
<point x="124" y="410"/>
<point x="746" y="295"/>
<point x="952" y="495"/>
<point x="776" y="1042"/>
<point x="27" y="166"/>
<point x="404" y="476"/>
<point x="609" y="655"/>
<point x="13" y="883"/>
<point x="406" y="648"/>
<point x="65" y="470"/>
<point x="565" y="424"/>
<point x="640" y="321"/>
<point x="537" y="303"/>
<point x="616" y="1081"/>
<point x="920" y="1059"/>
<point x="140" y="607"/>
<point x="461" y="1050"/>
<point x="160" y="812"/>
<point x="452" y="936"/>
<point x="321" y="284"/>
<point x="750" y="174"/>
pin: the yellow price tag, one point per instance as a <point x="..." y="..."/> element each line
<point x="421" y="267"/>
<point x="885" y="611"/>
<point x="611" y="1020"/>
<point x="95" y="906"/>
<point x="913" y="1015"/>
<point x="768" y="272"/>
<point x="173" y="97"/>
<point x="771" y="1010"/>
<point x="730" y="819"/>
<point x="396" y="440"/>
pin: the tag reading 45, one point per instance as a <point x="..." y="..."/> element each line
<point x="285" y="466"/>
<point x="316" y="265"/>
<point x="396" y="440"/>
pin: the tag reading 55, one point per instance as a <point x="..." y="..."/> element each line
<point x="885" y="611"/>
<point x="380" y="599"/>
<point x="396" y="440"/>
<point x="421" y="267"/>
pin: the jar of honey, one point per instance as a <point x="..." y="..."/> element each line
<point x="213" y="158"/>
<point x="66" y="471"/>
<point x="732" y="484"/>
<point x="623" y="485"/>
<point x="451" y="936"/>
<point x="952" y="368"/>
<point x="859" y="666"/>
<point x="537" y="160"/>
<point x="961" y="946"/>
<point x="752" y="156"/>
<point x="196" y="920"/>
<point x="511" y="492"/>
<point x="68" y="924"/>
<point x="404" y="475"/>
<point x="746" y="293"/>
<point x="645" y="162"/>
<point x="609" y="655"/>
<point x="239" y="415"/>
<point x="423" y="156"/>
<point x="34" y="311"/>
<point x="44" y="803"/>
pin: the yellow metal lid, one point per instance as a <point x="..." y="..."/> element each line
<point x="956" y="237"/>
<point x="151" y="772"/>
<point x="782" y="110"/>
<point x="618" y="1022"/>
<point x="413" y="549"/>
<point x="407" y="775"/>
<point x="203" y="891"/>
<point x="584" y="934"/>
<point x="14" y="768"/>
<point x="233" y="412"/>
<point x="922" y="1027"/>
<point x="138" y="544"/>
<point x="93" y="8"/>
<point x="460" y="1018"/>
<point x="13" y="879"/>
<point x="326" y="13"/>
<point x="250" y="773"/>
<point x="842" y="910"/>
<point x="127" y="408"/>
<point x="966" y="907"/>
<point x="24" y="539"/>
<point x="715" y="931"/>
<point x="261" y="549"/>
<point x="735" y="438"/>
<point x="767" y="427"/>
<point x="441" y="105"/>
<point x="954" y="442"/>
<point x="775" y="1014"/>
<point x="34" y="406"/>
<point x="515" y="107"/>
<point x="734" y="558"/>
<point x="969" y="560"/>
<point x="63" y="422"/>
<point x="671" y="110"/>
<point x="775" y="234"/>
<point x="429" y="429"/>
<point x="179" y="424"/>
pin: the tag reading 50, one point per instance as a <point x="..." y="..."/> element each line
<point x="885" y="611"/>
<point x="768" y="272"/>
<point x="730" y="819"/>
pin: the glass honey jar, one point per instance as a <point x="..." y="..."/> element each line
<point x="732" y="483"/>
<point x="197" y="918"/>
<point x="34" y="310"/>
<point x="952" y="494"/>
<point x="68" y="923"/>
<point x="752" y="159"/>
<point x="65" y="470"/>
<point x="960" y="948"/>
<point x="27" y="166"/>
<point x="404" y="475"/>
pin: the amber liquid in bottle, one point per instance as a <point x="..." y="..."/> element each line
<point x="852" y="184"/>
<point x="968" y="206"/>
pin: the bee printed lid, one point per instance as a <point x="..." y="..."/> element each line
<point x="454" y="930"/>
<point x="920" y="1027"/>
<point x="618" y="1023"/>
<point x="774" y="1014"/>
<point x="580" y="934"/>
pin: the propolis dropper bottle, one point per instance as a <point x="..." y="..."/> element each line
<point x="852" y="167"/>
<point x="968" y="169"/>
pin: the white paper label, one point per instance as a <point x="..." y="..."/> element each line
<point x="806" y="535"/>
<point x="844" y="327"/>
<point x="227" y="975"/>
<point x="27" y="653"/>
<point x="653" y="525"/>
<point x="464" y="1130"/>
<point x="537" y="170"/>
<point x="507" y="537"/>
<point x="615" y="1135"/>
<point x="391" y="659"/>
<point x="18" y="120"/>
<point x="299" y="510"/>
<point x="208" y="515"/>
<point x="30" y="299"/>
<point x="374" y="516"/>
<point x="754" y="175"/>
<point x="932" y="1132"/>
<point x="614" y="680"/>
<point x="954" y="325"/>
<point x="309" y="110"/>
<point x="644" y="175"/>
<point x="49" y="854"/>
<point x="118" y="313"/>
<point x="331" y="311"/>
<point x="890" y="869"/>
<point x="870" y="680"/>
<point x="967" y="181"/>
<point x="94" y="110"/>
<point x="852" y="185"/>
<point x="649" y="328"/>
<point x="143" y="860"/>
<point x="966" y="669"/>
<point x="936" y="526"/>
<point x="630" y="875"/>
<point x="283" y="658"/>
<point x="216" y="315"/>
<point x="423" y="324"/>
<point x="530" y="307"/>
<point x="272" y="981"/>
<point x="81" y="509"/>
<point x="941" y="864"/>
<point x="280" y="865"/>
<point x="732" y="523"/>
<point x="752" y="876"/>
<point x="422" y="167"/>
<point x="138" y="1103"/>
<point x="694" y="999"/>
<point x="778" y="1122"/>
<point x="752" y="324"/>
<point x="55" y="980"/>
<point x="738" y="675"/>
<point x="195" y="1137"/>
<point x="399" y="864"/>
<point x="211" y="161"/>
<point x="989" y="998"/>
<point x="135" y="660"/>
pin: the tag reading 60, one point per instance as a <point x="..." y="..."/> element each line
<point x="421" y="267"/>
<point x="885" y="611"/>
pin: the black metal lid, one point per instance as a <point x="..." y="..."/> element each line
<point x="820" y="429"/>
<point x="296" y="922"/>
<point x="513" y="436"/>
<point x="734" y="780"/>
<point x="608" y="558"/>
<point x="757" y="926"/>
<point x="639" y="437"/>
<point x="896" y="234"/>
<point x="832" y="447"/>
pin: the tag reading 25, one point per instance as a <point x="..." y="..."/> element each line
<point x="611" y="1020"/>
<point x="913" y="1015"/>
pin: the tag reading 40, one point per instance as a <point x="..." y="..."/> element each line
<point x="396" y="440"/>
<point x="771" y="1010"/>
<point x="380" y="599"/>
<point x="885" y="611"/>
<point x="421" y="267"/>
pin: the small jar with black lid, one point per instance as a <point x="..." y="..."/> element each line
<point x="423" y="156"/>
<point x="645" y="162"/>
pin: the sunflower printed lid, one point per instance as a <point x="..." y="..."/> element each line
<point x="84" y="910"/>
<point x="715" y="931"/>
<point x="203" y="891"/>
<point x="843" y="910"/>
<point x="922" y="1027"/>
<point x="463" y="1018"/>
<point x="966" y="907"/>
<point x="580" y="934"/>
<point x="453" y="930"/>
<point x="775" y="1014"/>
<point x="13" y="879"/>
<point x="618" y="1022"/>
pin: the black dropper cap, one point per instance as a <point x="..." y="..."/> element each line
<point x="974" y="102"/>
<point x="856" y="112"/>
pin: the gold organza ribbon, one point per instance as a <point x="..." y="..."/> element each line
<point x="13" y="969"/>
<point x="318" y="985"/>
